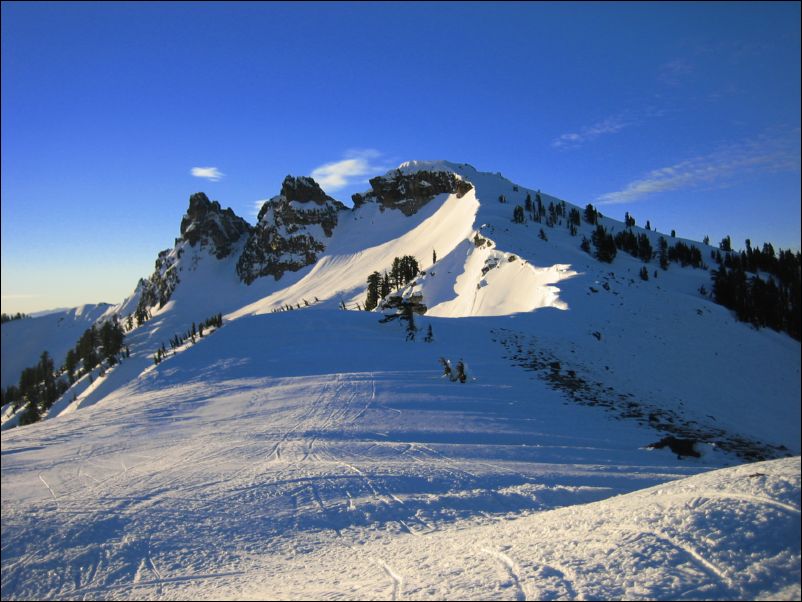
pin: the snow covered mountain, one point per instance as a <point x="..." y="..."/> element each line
<point x="24" y="340"/>
<point x="298" y="432"/>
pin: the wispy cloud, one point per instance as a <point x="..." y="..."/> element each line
<point x="210" y="173"/>
<point x="257" y="206"/>
<point x="610" y="125"/>
<point x="355" y="164"/>
<point x="673" y="73"/>
<point x="759" y="155"/>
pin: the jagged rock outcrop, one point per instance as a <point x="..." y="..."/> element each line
<point x="291" y="231"/>
<point x="408" y="192"/>
<point x="206" y="223"/>
<point x="157" y="290"/>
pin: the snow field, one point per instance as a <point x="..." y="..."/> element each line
<point x="239" y="454"/>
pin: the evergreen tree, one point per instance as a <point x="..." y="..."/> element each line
<point x="434" y="256"/>
<point x="404" y="270"/>
<point x="574" y="217"/>
<point x="591" y="215"/>
<point x="644" y="273"/>
<point x="86" y="348"/>
<point x="725" y="244"/>
<point x="111" y="340"/>
<point x="374" y="284"/>
<point x="528" y="203"/>
<point x="409" y="316"/>
<point x="629" y="221"/>
<point x="429" y="335"/>
<point x="627" y="241"/>
<point x="604" y="243"/>
<point x="644" y="248"/>
<point x="30" y="415"/>
<point x="663" y="253"/>
<point x="385" y="286"/>
<point x="461" y="376"/>
<point x="518" y="215"/>
<point x="70" y="364"/>
<point x="446" y="368"/>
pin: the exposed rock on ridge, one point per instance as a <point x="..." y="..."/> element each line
<point x="208" y="224"/>
<point x="158" y="289"/>
<point x="291" y="230"/>
<point x="408" y="192"/>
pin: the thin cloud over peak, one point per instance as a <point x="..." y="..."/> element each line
<point x="210" y="173"/>
<point x="355" y="163"/>
<point x="610" y="125"/>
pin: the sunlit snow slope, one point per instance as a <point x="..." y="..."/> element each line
<point x="318" y="453"/>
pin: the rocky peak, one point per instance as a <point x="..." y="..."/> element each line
<point x="408" y="192"/>
<point x="207" y="223"/>
<point x="303" y="189"/>
<point x="291" y="231"/>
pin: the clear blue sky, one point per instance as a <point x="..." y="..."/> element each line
<point x="685" y="114"/>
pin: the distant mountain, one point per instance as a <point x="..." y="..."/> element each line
<point x="55" y="331"/>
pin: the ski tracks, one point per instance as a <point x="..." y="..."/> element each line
<point x="55" y="499"/>
<point x="397" y="581"/>
<point x="511" y="569"/>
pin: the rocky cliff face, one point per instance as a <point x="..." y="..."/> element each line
<point x="291" y="231"/>
<point x="157" y="290"/>
<point x="207" y="224"/>
<point x="408" y="192"/>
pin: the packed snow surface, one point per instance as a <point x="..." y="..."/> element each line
<point x="317" y="454"/>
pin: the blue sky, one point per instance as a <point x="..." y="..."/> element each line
<point x="685" y="114"/>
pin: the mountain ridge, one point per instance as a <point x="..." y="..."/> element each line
<point x="268" y="439"/>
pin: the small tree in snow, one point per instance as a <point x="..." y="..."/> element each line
<point x="461" y="376"/>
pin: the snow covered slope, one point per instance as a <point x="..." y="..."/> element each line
<point x="322" y="444"/>
<point x="730" y="534"/>
<point x="24" y="340"/>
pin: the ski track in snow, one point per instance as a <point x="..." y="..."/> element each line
<point x="398" y="582"/>
<point x="511" y="568"/>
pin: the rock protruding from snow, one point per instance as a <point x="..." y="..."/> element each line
<point x="157" y="290"/>
<point x="206" y="223"/>
<point x="291" y="230"/>
<point x="303" y="189"/>
<point x="408" y="192"/>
